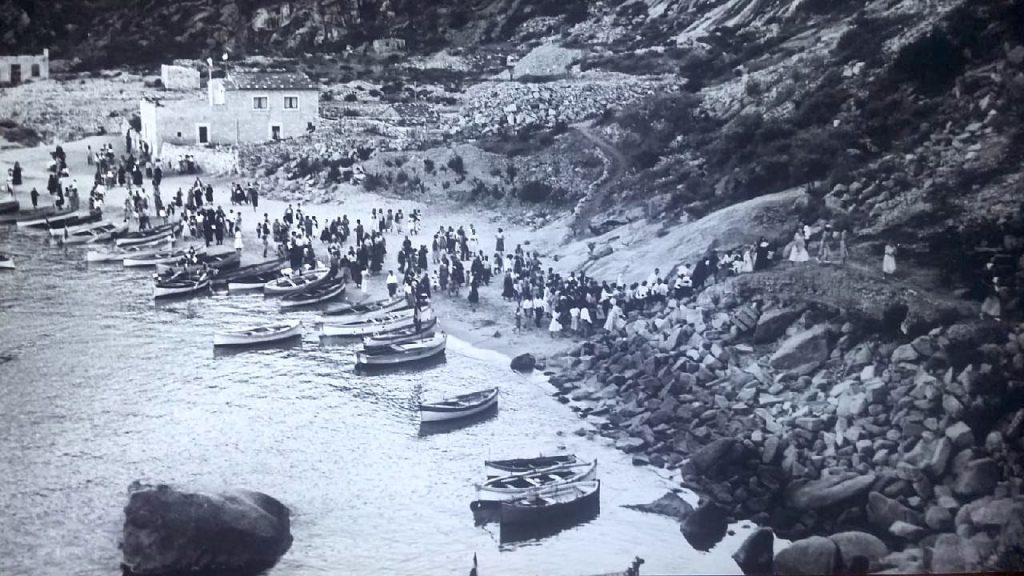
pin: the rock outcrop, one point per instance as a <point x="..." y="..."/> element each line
<point x="168" y="531"/>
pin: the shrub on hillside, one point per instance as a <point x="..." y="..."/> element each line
<point x="373" y="182"/>
<point x="456" y="164"/>
<point x="428" y="165"/>
<point x="931" y="63"/>
<point x="351" y="97"/>
<point x="534" y="192"/>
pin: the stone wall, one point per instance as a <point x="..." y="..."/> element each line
<point x="179" y="77"/>
<point x="217" y="161"/>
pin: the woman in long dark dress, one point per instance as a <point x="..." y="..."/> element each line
<point x="508" y="290"/>
<point x="16" y="174"/>
<point x="474" y="295"/>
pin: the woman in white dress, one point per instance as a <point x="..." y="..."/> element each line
<point x="889" y="260"/>
<point x="238" y="241"/>
<point x="798" y="249"/>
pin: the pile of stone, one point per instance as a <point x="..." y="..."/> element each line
<point x="809" y="425"/>
<point x="492" y="107"/>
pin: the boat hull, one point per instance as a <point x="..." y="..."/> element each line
<point x="580" y="472"/>
<point x="428" y="414"/>
<point x="7" y="264"/>
<point x="513" y="512"/>
<point x="156" y="234"/>
<point x="364" y="359"/>
<point x="369" y="327"/>
<point x="8" y="206"/>
<point x="242" y="338"/>
<point x="281" y="287"/>
<point x="526" y="465"/>
<point x="270" y="268"/>
<point x="21" y="215"/>
<point x="299" y="300"/>
<point x="66" y="219"/>
<point x="381" y="307"/>
<point x="184" y="290"/>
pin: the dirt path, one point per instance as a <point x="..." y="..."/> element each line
<point x="614" y="170"/>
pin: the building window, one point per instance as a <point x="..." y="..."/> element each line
<point x="291" y="102"/>
<point x="260" y="103"/>
<point x="35" y="70"/>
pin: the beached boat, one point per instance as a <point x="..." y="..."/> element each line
<point x="385" y="305"/>
<point x="221" y="260"/>
<point x="243" y="272"/>
<point x="459" y="406"/>
<point x="8" y="206"/>
<point x="315" y="295"/>
<point x="62" y="220"/>
<point x="252" y="282"/>
<point x="159" y="257"/>
<point x="294" y="282"/>
<point x="360" y="327"/>
<point x="148" y="235"/>
<point x="396" y="354"/>
<point x="14" y="217"/>
<point x="183" y="285"/>
<point x="514" y="485"/>
<point x="253" y="335"/>
<point x="526" y="465"/>
<point x="77" y="228"/>
<point x="6" y="262"/>
<point x="91" y="233"/>
<point x="117" y="255"/>
<point x="400" y="336"/>
<point x="551" y="503"/>
<point x="366" y="316"/>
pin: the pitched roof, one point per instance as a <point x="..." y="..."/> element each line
<point x="269" y="81"/>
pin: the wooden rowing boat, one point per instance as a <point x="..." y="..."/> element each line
<point x="15" y="217"/>
<point x="460" y="406"/>
<point x="269" y="266"/>
<point x="314" y="295"/>
<point x="148" y="235"/>
<point x="514" y="485"/>
<point x="92" y="233"/>
<point x="223" y="259"/>
<point x="526" y="465"/>
<point x="61" y="220"/>
<point x="253" y="335"/>
<point x="360" y="327"/>
<point x="402" y="336"/>
<point x="385" y="305"/>
<point x="6" y="262"/>
<point x="117" y="255"/>
<point x="8" y="206"/>
<point x="184" y="285"/>
<point x="367" y="316"/>
<point x="159" y="257"/>
<point x="78" y="228"/>
<point x="553" y="503"/>
<point x="396" y="354"/>
<point x="252" y="282"/>
<point x="294" y="283"/>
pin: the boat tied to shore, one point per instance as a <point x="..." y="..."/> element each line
<point x="315" y="294"/>
<point x="514" y="485"/>
<point x="554" y="503"/>
<point x="461" y="406"/>
<point x="263" y="334"/>
<point x="396" y="354"/>
<point x="526" y="465"/>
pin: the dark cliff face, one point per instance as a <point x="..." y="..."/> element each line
<point x="118" y="32"/>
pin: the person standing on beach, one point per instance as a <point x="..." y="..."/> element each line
<point x="35" y="198"/>
<point x="392" y="283"/>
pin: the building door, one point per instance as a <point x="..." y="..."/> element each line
<point x="203" y="135"/>
<point x="275" y="131"/>
<point x="15" y="73"/>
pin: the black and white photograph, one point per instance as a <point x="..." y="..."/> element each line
<point x="511" y="287"/>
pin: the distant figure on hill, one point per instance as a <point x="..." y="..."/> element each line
<point x="889" y="260"/>
<point x="798" y="249"/>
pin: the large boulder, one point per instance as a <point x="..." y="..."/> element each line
<point x="773" y="324"/>
<point x="715" y="456"/>
<point x="978" y="478"/>
<point x="853" y="545"/>
<point x="705" y="527"/>
<point x="883" y="511"/>
<point x="523" y="363"/>
<point x="756" y="554"/>
<point x="953" y="554"/>
<point x="811" y="556"/>
<point x="167" y="531"/>
<point x="828" y="491"/>
<point x="668" y="505"/>
<point x="807" y="348"/>
<point x="547" y="61"/>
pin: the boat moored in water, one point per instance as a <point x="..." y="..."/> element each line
<point x="553" y="503"/>
<point x="272" y="267"/>
<point x="514" y="485"/>
<point x="316" y="294"/>
<point x="396" y="354"/>
<point x="159" y="257"/>
<point x="526" y="465"/>
<point x="253" y="335"/>
<point x="364" y="327"/>
<point x="183" y="285"/>
<point x="224" y="259"/>
<point x="402" y="336"/>
<point x="384" y="306"/>
<point x="294" y="282"/>
<point x="6" y="262"/>
<point x="461" y="406"/>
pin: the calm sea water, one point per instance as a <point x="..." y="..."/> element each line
<point x="100" y="387"/>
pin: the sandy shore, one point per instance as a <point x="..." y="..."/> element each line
<point x="490" y="324"/>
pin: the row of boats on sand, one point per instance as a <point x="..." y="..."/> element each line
<point x="394" y="332"/>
